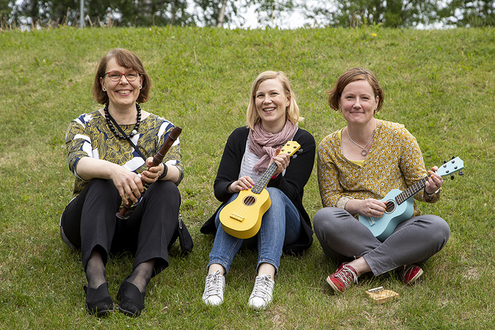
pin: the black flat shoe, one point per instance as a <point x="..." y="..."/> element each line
<point x="131" y="299"/>
<point x="98" y="301"/>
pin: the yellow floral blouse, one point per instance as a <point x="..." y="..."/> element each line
<point x="89" y="136"/>
<point x="394" y="161"/>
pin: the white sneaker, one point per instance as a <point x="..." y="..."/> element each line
<point x="262" y="292"/>
<point x="214" y="286"/>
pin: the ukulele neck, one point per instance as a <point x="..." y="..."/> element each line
<point x="411" y="191"/>
<point x="265" y="177"/>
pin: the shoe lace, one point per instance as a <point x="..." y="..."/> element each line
<point x="407" y="272"/>
<point x="346" y="276"/>
<point x="262" y="287"/>
<point x="213" y="284"/>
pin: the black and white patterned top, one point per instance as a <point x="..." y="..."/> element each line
<point x="89" y="136"/>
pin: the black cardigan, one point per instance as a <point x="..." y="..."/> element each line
<point x="292" y="183"/>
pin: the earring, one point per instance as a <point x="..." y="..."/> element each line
<point x="104" y="89"/>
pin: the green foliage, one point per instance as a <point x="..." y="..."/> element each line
<point x="269" y="13"/>
<point x="395" y="13"/>
<point x="468" y="13"/>
<point x="103" y="13"/>
<point x="439" y="84"/>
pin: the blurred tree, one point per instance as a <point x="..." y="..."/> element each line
<point x="389" y="13"/>
<point x="271" y="13"/>
<point x="468" y="13"/>
<point x="208" y="12"/>
<point x="104" y="12"/>
<point x="139" y="12"/>
<point x="64" y="11"/>
<point x="31" y="12"/>
<point x="224" y="12"/>
<point x="6" y="7"/>
<point x="274" y="13"/>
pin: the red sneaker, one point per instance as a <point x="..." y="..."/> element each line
<point x="411" y="273"/>
<point x="342" y="279"/>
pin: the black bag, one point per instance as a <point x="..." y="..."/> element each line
<point x="185" y="239"/>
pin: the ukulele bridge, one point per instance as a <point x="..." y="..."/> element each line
<point x="236" y="217"/>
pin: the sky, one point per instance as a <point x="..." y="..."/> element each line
<point x="293" y="21"/>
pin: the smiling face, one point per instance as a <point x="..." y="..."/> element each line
<point x="271" y="105"/>
<point x="123" y="93"/>
<point x="358" y="102"/>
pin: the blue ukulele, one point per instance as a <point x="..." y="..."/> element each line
<point x="399" y="205"/>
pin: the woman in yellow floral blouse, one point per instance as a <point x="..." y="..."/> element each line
<point x="109" y="172"/>
<point x="357" y="166"/>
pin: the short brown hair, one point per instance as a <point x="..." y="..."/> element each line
<point x="128" y="60"/>
<point x="292" y="113"/>
<point x="350" y="76"/>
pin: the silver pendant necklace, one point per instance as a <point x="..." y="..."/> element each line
<point x="363" y="151"/>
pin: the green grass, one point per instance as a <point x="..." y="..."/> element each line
<point x="440" y="84"/>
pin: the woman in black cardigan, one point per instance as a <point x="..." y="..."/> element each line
<point x="272" y="118"/>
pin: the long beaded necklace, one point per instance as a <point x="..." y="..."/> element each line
<point x="363" y="151"/>
<point x="111" y="126"/>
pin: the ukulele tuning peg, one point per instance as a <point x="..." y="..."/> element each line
<point x="453" y="157"/>
<point x="445" y="162"/>
<point x="461" y="173"/>
<point x="452" y="177"/>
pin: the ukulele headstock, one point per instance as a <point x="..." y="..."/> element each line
<point x="290" y="148"/>
<point x="450" y="167"/>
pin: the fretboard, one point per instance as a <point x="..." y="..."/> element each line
<point x="265" y="177"/>
<point x="411" y="191"/>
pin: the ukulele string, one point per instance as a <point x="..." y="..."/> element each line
<point x="246" y="203"/>
<point x="265" y="177"/>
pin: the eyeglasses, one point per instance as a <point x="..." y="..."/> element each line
<point x="117" y="75"/>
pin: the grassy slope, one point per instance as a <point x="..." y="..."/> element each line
<point x="440" y="84"/>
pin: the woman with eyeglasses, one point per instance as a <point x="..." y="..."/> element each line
<point x="110" y="152"/>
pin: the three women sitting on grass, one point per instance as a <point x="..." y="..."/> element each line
<point x="110" y="152"/>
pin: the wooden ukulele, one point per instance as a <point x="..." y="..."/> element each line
<point x="241" y="218"/>
<point x="400" y="204"/>
<point x="157" y="159"/>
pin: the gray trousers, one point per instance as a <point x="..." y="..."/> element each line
<point x="343" y="238"/>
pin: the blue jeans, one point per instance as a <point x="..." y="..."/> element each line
<point x="280" y="225"/>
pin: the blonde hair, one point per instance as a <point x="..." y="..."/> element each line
<point x="292" y="111"/>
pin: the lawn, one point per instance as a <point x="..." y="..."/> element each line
<point x="438" y="83"/>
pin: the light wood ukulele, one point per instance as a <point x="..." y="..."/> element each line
<point x="241" y="218"/>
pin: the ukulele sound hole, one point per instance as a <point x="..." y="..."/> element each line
<point x="390" y="207"/>
<point x="249" y="200"/>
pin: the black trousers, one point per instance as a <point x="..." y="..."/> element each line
<point x="89" y="222"/>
